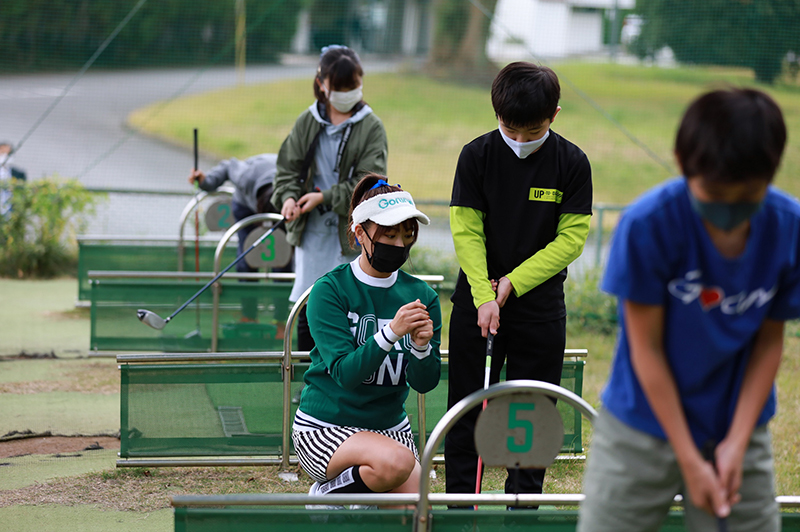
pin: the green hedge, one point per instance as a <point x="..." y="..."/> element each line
<point x="53" y="34"/>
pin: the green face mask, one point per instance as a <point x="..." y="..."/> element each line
<point x="725" y="216"/>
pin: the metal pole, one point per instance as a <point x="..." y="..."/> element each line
<point x="193" y="203"/>
<point x="599" y="239"/>
<point x="287" y="383"/>
<point x="421" y="521"/>
<point x="615" y="30"/>
<point x="241" y="40"/>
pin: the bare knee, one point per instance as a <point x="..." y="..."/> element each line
<point x="392" y="469"/>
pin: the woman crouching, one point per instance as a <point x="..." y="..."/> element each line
<point x="377" y="333"/>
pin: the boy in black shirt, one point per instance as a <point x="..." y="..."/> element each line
<point x="519" y="214"/>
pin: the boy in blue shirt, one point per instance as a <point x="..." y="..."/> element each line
<point x="707" y="270"/>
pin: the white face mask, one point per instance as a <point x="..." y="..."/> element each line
<point x="523" y="149"/>
<point x="344" y="101"/>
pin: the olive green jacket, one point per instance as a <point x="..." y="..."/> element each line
<point x="366" y="151"/>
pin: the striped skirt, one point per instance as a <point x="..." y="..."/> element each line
<point x="316" y="441"/>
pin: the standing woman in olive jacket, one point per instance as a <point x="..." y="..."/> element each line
<point x="333" y="143"/>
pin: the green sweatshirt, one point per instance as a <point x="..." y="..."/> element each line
<point x="360" y="370"/>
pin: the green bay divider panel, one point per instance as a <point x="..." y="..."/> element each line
<point x="571" y="379"/>
<point x="154" y="257"/>
<point x="202" y="409"/>
<point x="114" y="326"/>
<point x="193" y="410"/>
<point x="239" y="519"/>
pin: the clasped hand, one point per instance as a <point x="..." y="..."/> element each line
<point x="489" y="313"/>
<point x="716" y="491"/>
<point x="413" y="318"/>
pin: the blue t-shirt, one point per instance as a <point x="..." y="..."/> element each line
<point x="661" y="254"/>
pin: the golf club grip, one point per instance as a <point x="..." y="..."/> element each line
<point x="228" y="267"/>
<point x="196" y="157"/>
<point x="488" y="367"/>
<point x="709" y="455"/>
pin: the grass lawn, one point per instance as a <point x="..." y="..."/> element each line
<point x="44" y="322"/>
<point x="428" y="122"/>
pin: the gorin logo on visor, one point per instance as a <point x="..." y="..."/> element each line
<point x="384" y="203"/>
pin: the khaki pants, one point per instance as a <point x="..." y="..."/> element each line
<point x="631" y="478"/>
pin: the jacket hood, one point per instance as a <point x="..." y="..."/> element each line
<point x="358" y="117"/>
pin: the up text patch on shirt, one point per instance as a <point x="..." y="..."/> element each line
<point x="545" y="194"/>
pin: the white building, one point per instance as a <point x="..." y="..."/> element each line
<point x="548" y="28"/>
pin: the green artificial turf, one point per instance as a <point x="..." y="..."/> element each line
<point x="61" y="413"/>
<point x="84" y="519"/>
<point x="21" y="471"/>
<point x="40" y="317"/>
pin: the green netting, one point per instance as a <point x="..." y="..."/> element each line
<point x="142" y="257"/>
<point x="233" y="409"/>
<point x="240" y="519"/>
<point x="202" y="409"/>
<point x="114" y="326"/>
<point x="301" y="520"/>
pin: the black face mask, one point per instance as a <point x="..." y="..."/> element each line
<point x="386" y="258"/>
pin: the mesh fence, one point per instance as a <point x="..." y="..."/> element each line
<point x="265" y="305"/>
<point x="295" y="520"/>
<point x="236" y="409"/>
<point x="109" y="92"/>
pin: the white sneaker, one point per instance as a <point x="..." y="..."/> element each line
<point x="363" y="507"/>
<point x="314" y="491"/>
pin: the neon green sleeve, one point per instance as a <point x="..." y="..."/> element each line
<point x="566" y="247"/>
<point x="466" y="224"/>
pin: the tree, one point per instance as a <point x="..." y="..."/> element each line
<point x="751" y="33"/>
<point x="459" y="41"/>
<point x="59" y="34"/>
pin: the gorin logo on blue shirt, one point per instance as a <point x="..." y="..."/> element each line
<point x="384" y="203"/>
<point x="690" y="288"/>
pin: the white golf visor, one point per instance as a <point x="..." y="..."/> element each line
<point x="388" y="210"/>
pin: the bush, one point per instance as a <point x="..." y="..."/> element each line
<point x="588" y="308"/>
<point x="37" y="234"/>
<point x="432" y="261"/>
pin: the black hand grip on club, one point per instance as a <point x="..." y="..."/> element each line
<point x="708" y="455"/>
<point x="228" y="267"/>
<point x="195" y="149"/>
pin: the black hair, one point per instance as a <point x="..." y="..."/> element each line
<point x="342" y="67"/>
<point x="524" y="94"/>
<point x="363" y="192"/>
<point x="731" y="135"/>
<point x="263" y="204"/>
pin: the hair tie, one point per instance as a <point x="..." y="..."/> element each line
<point x="382" y="183"/>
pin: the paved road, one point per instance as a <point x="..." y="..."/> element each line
<point x="90" y="122"/>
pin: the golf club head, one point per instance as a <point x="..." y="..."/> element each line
<point x="151" y="318"/>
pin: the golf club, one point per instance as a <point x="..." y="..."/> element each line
<point x="157" y="322"/>
<point x="196" y="331"/>
<point x="487" y="371"/>
<point x="708" y="454"/>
